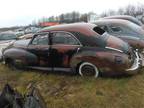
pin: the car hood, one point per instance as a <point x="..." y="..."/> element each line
<point x="18" y="43"/>
<point x="24" y="42"/>
<point x="5" y="44"/>
<point x="117" y="44"/>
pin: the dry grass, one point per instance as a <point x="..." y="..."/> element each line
<point x="70" y="91"/>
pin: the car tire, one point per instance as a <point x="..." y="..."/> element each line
<point x="88" y="69"/>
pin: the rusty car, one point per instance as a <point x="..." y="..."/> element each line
<point x="126" y="30"/>
<point x="126" y="17"/>
<point x="82" y="48"/>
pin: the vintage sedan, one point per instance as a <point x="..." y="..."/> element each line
<point x="126" y="17"/>
<point x="126" y="30"/>
<point x="80" y="48"/>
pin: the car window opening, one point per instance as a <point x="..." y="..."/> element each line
<point x="99" y="30"/>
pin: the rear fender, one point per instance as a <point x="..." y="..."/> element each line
<point x="102" y="59"/>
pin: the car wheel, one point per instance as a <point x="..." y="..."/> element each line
<point x="88" y="69"/>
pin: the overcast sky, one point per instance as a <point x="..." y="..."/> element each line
<point x="21" y="12"/>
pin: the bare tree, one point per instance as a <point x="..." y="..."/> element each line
<point x="84" y="17"/>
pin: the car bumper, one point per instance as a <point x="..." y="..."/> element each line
<point x="137" y="65"/>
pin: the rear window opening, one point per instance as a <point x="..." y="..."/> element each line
<point x="99" y="30"/>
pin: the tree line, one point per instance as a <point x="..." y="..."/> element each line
<point x="71" y="17"/>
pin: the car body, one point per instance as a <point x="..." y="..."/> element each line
<point x="125" y="17"/>
<point x="6" y="38"/>
<point x="79" y="47"/>
<point x="126" y="30"/>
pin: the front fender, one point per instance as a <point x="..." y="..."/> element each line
<point x="20" y="54"/>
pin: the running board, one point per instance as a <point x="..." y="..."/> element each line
<point x="50" y="69"/>
<point x="40" y="68"/>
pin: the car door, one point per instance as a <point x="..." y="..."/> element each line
<point x="64" y="46"/>
<point x="40" y="47"/>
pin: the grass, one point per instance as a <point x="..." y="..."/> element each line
<point x="73" y="91"/>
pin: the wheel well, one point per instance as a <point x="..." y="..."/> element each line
<point x="77" y="66"/>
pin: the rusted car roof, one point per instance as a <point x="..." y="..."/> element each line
<point x="85" y="28"/>
<point x="125" y="17"/>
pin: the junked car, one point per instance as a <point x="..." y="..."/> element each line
<point x="126" y="30"/>
<point x="79" y="48"/>
<point x="6" y="38"/>
<point x="126" y="17"/>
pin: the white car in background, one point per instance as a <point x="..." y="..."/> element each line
<point x="6" y="38"/>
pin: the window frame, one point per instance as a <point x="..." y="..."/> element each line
<point x="71" y="35"/>
<point x="35" y="35"/>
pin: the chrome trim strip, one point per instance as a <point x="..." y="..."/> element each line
<point x="50" y="69"/>
<point x="130" y="37"/>
<point x="114" y="49"/>
<point x="62" y="69"/>
<point x="135" y="64"/>
<point x="40" y="68"/>
<point x="66" y="45"/>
